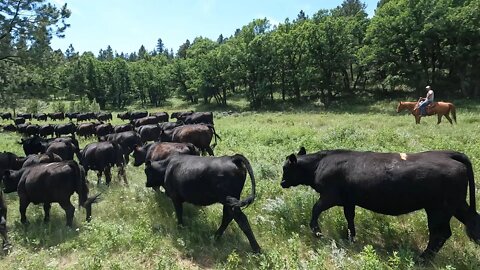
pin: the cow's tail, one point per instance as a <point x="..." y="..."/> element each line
<point x="210" y="126"/>
<point x="454" y="112"/>
<point x="471" y="180"/>
<point x="79" y="175"/>
<point x="234" y="202"/>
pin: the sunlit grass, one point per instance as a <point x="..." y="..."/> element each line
<point x="135" y="228"/>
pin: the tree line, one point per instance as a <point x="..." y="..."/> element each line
<point x="328" y="56"/>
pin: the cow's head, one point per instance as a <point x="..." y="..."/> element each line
<point x="11" y="179"/>
<point x="155" y="172"/>
<point x="293" y="173"/>
<point x="139" y="155"/>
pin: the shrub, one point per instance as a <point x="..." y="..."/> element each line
<point x="32" y="106"/>
<point x="58" y="107"/>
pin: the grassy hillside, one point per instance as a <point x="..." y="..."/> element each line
<point x="135" y="228"/>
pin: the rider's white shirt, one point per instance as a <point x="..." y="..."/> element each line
<point x="430" y="95"/>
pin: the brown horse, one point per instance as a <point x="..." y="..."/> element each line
<point x="438" y="108"/>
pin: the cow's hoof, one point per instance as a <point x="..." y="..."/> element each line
<point x="426" y="257"/>
<point x="317" y="234"/>
<point x="7" y="247"/>
<point x="352" y="239"/>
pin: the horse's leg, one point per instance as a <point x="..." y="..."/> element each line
<point x="439" y="118"/>
<point x="417" y="118"/>
<point x="448" y="118"/>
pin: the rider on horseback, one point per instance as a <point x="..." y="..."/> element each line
<point x="425" y="101"/>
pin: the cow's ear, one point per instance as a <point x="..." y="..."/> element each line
<point x="302" y="151"/>
<point x="292" y="158"/>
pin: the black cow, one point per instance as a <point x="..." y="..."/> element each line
<point x="161" y="116"/>
<point x="35" y="145"/>
<point x="161" y="150"/>
<point x="40" y="158"/>
<point x="86" y="129"/>
<point x="168" y="125"/>
<point x="41" y="116"/>
<point x="124" y="116"/>
<point x="9" y="161"/>
<point x="149" y="120"/>
<point x="85" y="116"/>
<point x="103" y="129"/>
<point x="205" y="181"/>
<point x="19" y="120"/>
<point x="180" y="115"/>
<point x="10" y="128"/>
<point x="32" y="130"/>
<point x="65" y="150"/>
<point x="123" y="128"/>
<point x="3" y="224"/>
<point x="65" y="129"/>
<point x="25" y="115"/>
<point x="46" y="130"/>
<point x="200" y="135"/>
<point x="197" y="118"/>
<point x="56" y="116"/>
<point x="101" y="116"/>
<point x="127" y="140"/>
<point x="391" y="184"/>
<point x="6" y="116"/>
<point x="50" y="182"/>
<point x="71" y="115"/>
<point x="137" y="115"/>
<point x="149" y="133"/>
<point x="101" y="156"/>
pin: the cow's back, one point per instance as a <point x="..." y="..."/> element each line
<point x="203" y="180"/>
<point x="198" y="135"/>
<point x="393" y="183"/>
<point x="52" y="182"/>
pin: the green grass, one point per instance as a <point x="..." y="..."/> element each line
<point x="135" y="228"/>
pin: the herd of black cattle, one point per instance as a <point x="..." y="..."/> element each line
<point x="387" y="183"/>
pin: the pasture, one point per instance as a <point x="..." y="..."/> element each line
<point x="135" y="228"/>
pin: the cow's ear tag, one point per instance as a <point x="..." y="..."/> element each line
<point x="292" y="158"/>
<point x="302" y="151"/>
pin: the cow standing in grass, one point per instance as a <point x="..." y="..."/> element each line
<point x="50" y="182"/>
<point x="199" y="135"/>
<point x="100" y="157"/>
<point x="205" y="181"/>
<point x="391" y="184"/>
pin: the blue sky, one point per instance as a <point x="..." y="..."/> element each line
<point x="125" y="25"/>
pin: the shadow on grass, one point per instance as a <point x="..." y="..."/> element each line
<point x="195" y="239"/>
<point x="39" y="234"/>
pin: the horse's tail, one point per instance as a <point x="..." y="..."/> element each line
<point x="454" y="112"/>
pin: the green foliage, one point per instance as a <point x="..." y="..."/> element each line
<point x="94" y="106"/>
<point x="32" y="106"/>
<point x="59" y="106"/>
<point x="83" y="105"/>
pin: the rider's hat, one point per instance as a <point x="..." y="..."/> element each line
<point x="428" y="87"/>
